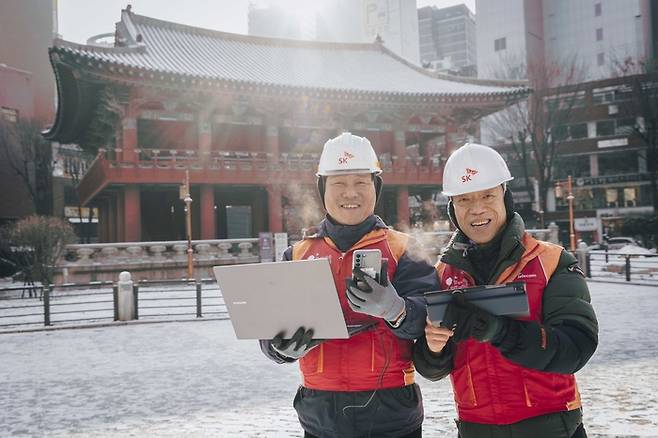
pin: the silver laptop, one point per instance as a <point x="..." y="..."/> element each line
<point x="264" y="299"/>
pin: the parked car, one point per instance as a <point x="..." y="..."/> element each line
<point x="616" y="243"/>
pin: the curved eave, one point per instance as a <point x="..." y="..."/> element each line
<point x="73" y="103"/>
<point x="117" y="71"/>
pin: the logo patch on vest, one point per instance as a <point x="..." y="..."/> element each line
<point x="523" y="276"/>
<point x="457" y="282"/>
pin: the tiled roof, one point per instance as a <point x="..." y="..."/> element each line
<point x="151" y="45"/>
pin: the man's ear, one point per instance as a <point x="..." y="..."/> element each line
<point x="379" y="183"/>
<point x="321" y="188"/>
<point x="451" y="214"/>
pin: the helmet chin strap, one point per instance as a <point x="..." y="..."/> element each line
<point x="508" y="199"/>
<point x="379" y="183"/>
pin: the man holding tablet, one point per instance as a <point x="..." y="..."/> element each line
<point x="512" y="377"/>
<point x="362" y="386"/>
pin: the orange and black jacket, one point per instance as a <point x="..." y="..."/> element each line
<point x="528" y="370"/>
<point x="382" y="349"/>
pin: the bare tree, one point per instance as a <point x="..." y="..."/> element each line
<point x="29" y="155"/>
<point x="43" y="240"/>
<point x="535" y="128"/>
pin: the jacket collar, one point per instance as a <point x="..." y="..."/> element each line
<point x="511" y="249"/>
<point x="344" y="237"/>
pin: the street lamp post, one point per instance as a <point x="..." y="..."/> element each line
<point x="570" y="198"/>
<point x="188" y="226"/>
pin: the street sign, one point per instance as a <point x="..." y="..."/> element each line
<point x="586" y="224"/>
<point x="265" y="247"/>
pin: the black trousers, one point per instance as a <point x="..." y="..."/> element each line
<point x="579" y="433"/>
<point x="418" y="433"/>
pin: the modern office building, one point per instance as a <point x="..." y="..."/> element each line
<point x="275" y="21"/>
<point x="395" y="22"/>
<point x="447" y="39"/>
<point x="597" y="34"/>
<point x="604" y="148"/>
<point x="27" y="28"/>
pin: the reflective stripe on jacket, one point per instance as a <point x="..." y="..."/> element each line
<point x="491" y="389"/>
<point x="372" y="359"/>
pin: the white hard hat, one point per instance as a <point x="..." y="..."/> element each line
<point x="474" y="167"/>
<point x="348" y="153"/>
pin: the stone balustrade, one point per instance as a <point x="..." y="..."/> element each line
<point x="168" y="260"/>
<point x="152" y="260"/>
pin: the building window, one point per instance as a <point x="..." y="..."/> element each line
<point x="611" y="198"/>
<point x="500" y="44"/>
<point x="625" y="126"/>
<point x="574" y="165"/>
<point x="578" y="131"/>
<point x="618" y="163"/>
<point x="605" y="127"/>
<point x="600" y="59"/>
<point x="597" y="9"/>
<point x="9" y="114"/>
<point x="630" y="196"/>
<point x="599" y="34"/>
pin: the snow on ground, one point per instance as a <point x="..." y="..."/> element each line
<point x="194" y="379"/>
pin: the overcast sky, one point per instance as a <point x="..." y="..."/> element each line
<point x="80" y="19"/>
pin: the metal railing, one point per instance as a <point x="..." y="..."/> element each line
<point x="98" y="302"/>
<point x="618" y="266"/>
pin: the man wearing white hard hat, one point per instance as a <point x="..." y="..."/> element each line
<point x="511" y="377"/>
<point x="362" y="386"/>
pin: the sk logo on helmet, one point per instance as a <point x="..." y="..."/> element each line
<point x="469" y="174"/>
<point x="345" y="158"/>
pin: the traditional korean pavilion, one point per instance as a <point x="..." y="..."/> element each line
<point x="247" y="117"/>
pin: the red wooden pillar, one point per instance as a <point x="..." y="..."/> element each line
<point x="403" y="207"/>
<point x="119" y="219"/>
<point x="207" y="205"/>
<point x="129" y="139"/>
<point x="204" y="136"/>
<point x="207" y="212"/>
<point x="275" y="216"/>
<point x="132" y="216"/>
<point x="272" y="143"/>
<point x="451" y="132"/>
<point x="400" y="149"/>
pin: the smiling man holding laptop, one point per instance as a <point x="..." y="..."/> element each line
<point x="363" y="385"/>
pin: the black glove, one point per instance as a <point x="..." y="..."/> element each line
<point x="297" y="346"/>
<point x="469" y="321"/>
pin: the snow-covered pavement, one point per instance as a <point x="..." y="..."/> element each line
<point x="194" y="379"/>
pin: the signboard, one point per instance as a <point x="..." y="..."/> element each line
<point x="612" y="143"/>
<point x="265" y="248"/>
<point x="613" y="179"/>
<point x="280" y="245"/>
<point x="586" y="224"/>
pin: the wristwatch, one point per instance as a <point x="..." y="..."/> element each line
<point x="398" y="321"/>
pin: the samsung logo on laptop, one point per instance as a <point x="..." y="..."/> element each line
<point x="239" y="302"/>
